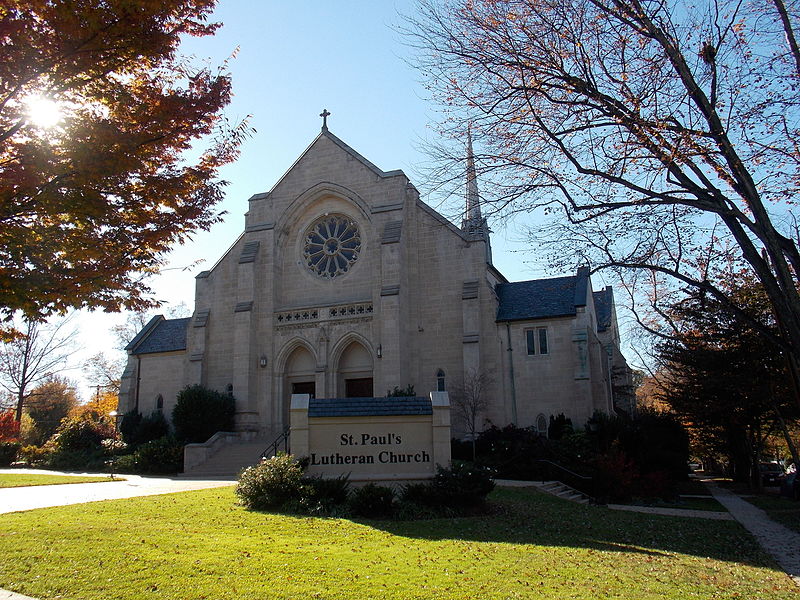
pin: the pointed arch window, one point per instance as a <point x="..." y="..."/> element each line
<point x="440" y="381"/>
<point x="541" y="425"/>
<point x="160" y="403"/>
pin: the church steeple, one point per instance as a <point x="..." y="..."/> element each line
<point x="474" y="224"/>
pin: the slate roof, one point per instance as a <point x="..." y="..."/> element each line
<point x="368" y="407"/>
<point x="160" y="335"/>
<point x="542" y="298"/>
<point x="603" y="301"/>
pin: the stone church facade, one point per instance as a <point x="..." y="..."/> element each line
<point x="345" y="284"/>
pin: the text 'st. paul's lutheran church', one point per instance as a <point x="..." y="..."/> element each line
<point x="345" y="284"/>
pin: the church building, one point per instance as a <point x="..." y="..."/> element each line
<point x="345" y="284"/>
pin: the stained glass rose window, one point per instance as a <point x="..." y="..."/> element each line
<point x="332" y="245"/>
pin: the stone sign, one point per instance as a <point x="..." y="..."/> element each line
<point x="372" y="439"/>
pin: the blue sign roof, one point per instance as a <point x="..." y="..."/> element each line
<point x="369" y="407"/>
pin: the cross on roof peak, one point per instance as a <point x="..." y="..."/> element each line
<point x="325" y="114"/>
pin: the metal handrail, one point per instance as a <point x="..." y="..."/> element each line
<point x="272" y="449"/>
<point x="584" y="483"/>
<point x="563" y="468"/>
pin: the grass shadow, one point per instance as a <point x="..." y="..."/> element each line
<point x="527" y="516"/>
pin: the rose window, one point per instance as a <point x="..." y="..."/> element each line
<point x="332" y="245"/>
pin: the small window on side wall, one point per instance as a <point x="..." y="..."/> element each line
<point x="542" y="333"/>
<point x="440" y="382"/>
<point x="536" y="341"/>
<point x="160" y="403"/>
<point x="229" y="389"/>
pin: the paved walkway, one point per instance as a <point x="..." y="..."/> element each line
<point x="780" y="542"/>
<point x="29" y="498"/>
<point x="675" y="512"/>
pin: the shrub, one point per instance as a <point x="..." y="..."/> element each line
<point x="372" y="501"/>
<point x="82" y="435"/>
<point x="421" y="494"/>
<point x="137" y="430"/>
<point x="200" y="412"/>
<point x="325" y="493"/>
<point x="8" y="452"/>
<point x="559" y="427"/>
<point x="399" y="392"/>
<point x="129" y="425"/>
<point x="123" y="464"/>
<point x="615" y="475"/>
<point x="72" y="460"/>
<point x="9" y="426"/>
<point x="34" y="456"/>
<point x="164" y="455"/>
<point x="271" y="483"/>
<point x="114" y="447"/>
<point x="462" y="484"/>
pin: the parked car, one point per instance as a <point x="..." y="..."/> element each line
<point x="771" y="473"/>
<point x="790" y="486"/>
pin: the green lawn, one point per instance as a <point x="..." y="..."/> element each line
<point x="695" y="504"/>
<point x="200" y="545"/>
<point x="779" y="509"/>
<point x="23" y="480"/>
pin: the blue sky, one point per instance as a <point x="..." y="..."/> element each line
<point x="295" y="59"/>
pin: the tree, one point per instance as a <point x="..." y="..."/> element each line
<point x="662" y="133"/>
<point x="90" y="203"/>
<point x="468" y="401"/>
<point x="99" y="407"/>
<point x="34" y="355"/>
<point x="726" y="381"/>
<point x="104" y="371"/>
<point x="48" y="404"/>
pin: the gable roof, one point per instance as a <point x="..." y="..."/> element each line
<point x="542" y="298"/>
<point x="327" y="134"/>
<point x="160" y="335"/>
<point x="603" y="302"/>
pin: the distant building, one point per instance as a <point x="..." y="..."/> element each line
<point x="345" y="284"/>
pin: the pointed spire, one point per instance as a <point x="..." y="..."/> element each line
<point x="474" y="223"/>
<point x="473" y="209"/>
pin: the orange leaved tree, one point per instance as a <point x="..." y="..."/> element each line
<point x="97" y="111"/>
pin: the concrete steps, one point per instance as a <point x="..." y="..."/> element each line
<point x="560" y="490"/>
<point x="230" y="459"/>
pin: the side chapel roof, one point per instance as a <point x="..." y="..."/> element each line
<point x="542" y="298"/>
<point x="160" y="335"/>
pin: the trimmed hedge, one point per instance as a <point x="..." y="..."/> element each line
<point x="200" y="412"/>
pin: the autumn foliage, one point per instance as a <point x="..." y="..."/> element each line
<point x="91" y="202"/>
<point x="9" y="426"/>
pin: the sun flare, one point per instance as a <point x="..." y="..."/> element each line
<point x="44" y="112"/>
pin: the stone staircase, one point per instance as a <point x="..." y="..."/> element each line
<point x="229" y="460"/>
<point x="556" y="488"/>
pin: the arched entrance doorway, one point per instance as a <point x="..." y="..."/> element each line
<point x="354" y="372"/>
<point x="299" y="377"/>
